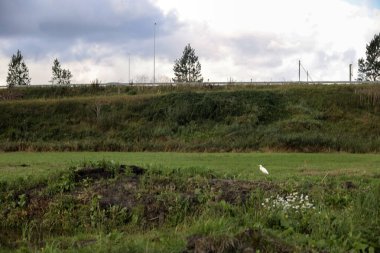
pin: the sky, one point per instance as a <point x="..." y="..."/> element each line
<point x="240" y="40"/>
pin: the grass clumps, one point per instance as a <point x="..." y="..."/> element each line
<point x="108" y="206"/>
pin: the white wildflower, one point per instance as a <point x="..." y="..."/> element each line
<point x="292" y="201"/>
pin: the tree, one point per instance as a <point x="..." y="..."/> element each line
<point x="187" y="68"/>
<point x="60" y="76"/>
<point x="18" y="73"/>
<point x="361" y="70"/>
<point x="369" y="69"/>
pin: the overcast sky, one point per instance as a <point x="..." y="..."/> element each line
<point x="238" y="39"/>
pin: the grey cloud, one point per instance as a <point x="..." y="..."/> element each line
<point x="349" y="55"/>
<point x="256" y="50"/>
<point x="324" y="59"/>
<point x="43" y="26"/>
<point x="268" y="50"/>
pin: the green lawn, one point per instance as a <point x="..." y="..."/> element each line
<point x="242" y="165"/>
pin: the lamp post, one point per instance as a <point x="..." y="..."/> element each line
<point x="299" y="71"/>
<point x="129" y="68"/>
<point x="350" y="73"/>
<point x="154" y="54"/>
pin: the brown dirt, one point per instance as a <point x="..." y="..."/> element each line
<point x="238" y="191"/>
<point x="349" y="185"/>
<point x="99" y="173"/>
<point x="126" y="190"/>
<point x="92" y="173"/>
<point x="155" y="198"/>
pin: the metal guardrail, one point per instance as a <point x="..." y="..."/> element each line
<point x="210" y="84"/>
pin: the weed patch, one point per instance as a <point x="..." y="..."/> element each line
<point x="119" y="207"/>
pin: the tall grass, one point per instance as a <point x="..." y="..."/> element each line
<point x="295" y="118"/>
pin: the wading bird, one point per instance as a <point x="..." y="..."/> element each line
<point x="263" y="170"/>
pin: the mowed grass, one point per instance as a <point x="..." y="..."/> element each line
<point x="238" y="165"/>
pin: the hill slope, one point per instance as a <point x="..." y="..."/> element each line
<point x="240" y="118"/>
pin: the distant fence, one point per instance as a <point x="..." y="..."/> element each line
<point x="210" y="83"/>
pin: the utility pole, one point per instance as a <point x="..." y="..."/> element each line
<point x="307" y="76"/>
<point x="299" y="71"/>
<point x="154" y="54"/>
<point x="350" y="73"/>
<point x="129" y="68"/>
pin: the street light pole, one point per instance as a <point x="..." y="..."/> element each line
<point x="350" y="73"/>
<point x="299" y="71"/>
<point x="154" y="54"/>
<point x="129" y="68"/>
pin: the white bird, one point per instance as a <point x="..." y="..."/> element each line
<point x="263" y="170"/>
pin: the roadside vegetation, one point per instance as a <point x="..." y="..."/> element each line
<point x="191" y="118"/>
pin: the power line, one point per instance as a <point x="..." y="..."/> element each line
<point x="306" y="72"/>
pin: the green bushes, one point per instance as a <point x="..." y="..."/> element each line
<point x="182" y="108"/>
<point x="299" y="118"/>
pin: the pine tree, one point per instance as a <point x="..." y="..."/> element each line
<point x="187" y="68"/>
<point x="361" y="70"/>
<point x="18" y="73"/>
<point x="60" y="76"/>
<point x="369" y="69"/>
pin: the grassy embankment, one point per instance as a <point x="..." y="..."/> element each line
<point x="189" y="202"/>
<point x="241" y="118"/>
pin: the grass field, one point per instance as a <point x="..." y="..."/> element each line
<point x="195" y="201"/>
<point x="189" y="202"/>
<point x="242" y="165"/>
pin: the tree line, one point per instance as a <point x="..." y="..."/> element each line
<point x="18" y="72"/>
<point x="187" y="69"/>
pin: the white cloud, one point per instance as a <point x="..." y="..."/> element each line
<point x="272" y="35"/>
<point x="240" y="39"/>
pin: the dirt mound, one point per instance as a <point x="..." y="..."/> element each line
<point x="111" y="197"/>
<point x="251" y="240"/>
<point x="155" y="196"/>
<point x="349" y="185"/>
<point x="159" y="198"/>
<point x="99" y="173"/>
<point x="92" y="173"/>
<point x="138" y="171"/>
<point x="122" y="192"/>
<point x="238" y="191"/>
